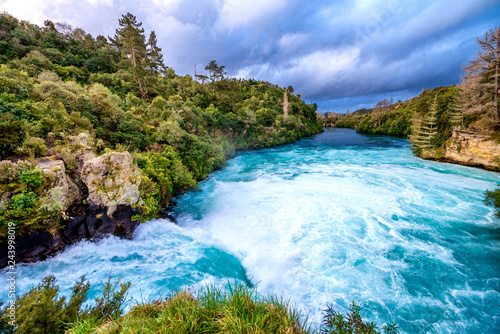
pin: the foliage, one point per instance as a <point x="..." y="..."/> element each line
<point x="57" y="81"/>
<point x="424" y="130"/>
<point x="231" y="309"/>
<point x="492" y="197"/>
<point x="112" y="301"/>
<point x="43" y="310"/>
<point x="351" y="323"/>
<point x="481" y="80"/>
<point x="24" y="187"/>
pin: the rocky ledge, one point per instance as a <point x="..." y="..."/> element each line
<point x="470" y="149"/>
<point x="473" y="149"/>
<point x="112" y="206"/>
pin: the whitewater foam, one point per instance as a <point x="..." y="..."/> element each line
<point x="335" y="218"/>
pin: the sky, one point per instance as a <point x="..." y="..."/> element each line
<point x="338" y="54"/>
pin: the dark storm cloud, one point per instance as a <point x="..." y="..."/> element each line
<point x="339" y="54"/>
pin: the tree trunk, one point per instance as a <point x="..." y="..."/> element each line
<point x="132" y="54"/>
<point x="495" y="93"/>
<point x="285" y="106"/>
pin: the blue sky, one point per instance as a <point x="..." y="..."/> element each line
<point x="339" y="54"/>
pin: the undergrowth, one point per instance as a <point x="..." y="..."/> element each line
<point x="233" y="308"/>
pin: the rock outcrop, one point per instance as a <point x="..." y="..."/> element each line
<point x="472" y="149"/>
<point x="113" y="204"/>
<point x="63" y="192"/>
<point x="114" y="201"/>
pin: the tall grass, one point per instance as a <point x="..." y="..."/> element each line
<point x="233" y="308"/>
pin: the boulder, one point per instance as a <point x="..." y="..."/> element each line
<point x="63" y="192"/>
<point x="82" y="151"/>
<point x="113" y="205"/>
<point x="114" y="202"/>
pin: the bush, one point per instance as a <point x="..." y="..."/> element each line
<point x="42" y="310"/>
<point x="351" y="323"/>
<point x="232" y="309"/>
<point x="492" y="197"/>
<point x="34" y="147"/>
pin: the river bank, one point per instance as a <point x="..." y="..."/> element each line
<point x="333" y="218"/>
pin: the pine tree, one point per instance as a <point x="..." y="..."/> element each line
<point x="455" y="108"/>
<point x="481" y="79"/>
<point x="154" y="55"/>
<point x="417" y="137"/>
<point x="215" y="72"/>
<point x="130" y="41"/>
<point x="424" y="129"/>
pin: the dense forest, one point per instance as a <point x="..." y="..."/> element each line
<point x="403" y="118"/>
<point x="58" y="82"/>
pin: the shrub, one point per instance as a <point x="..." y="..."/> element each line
<point x="351" y="323"/>
<point x="10" y="172"/>
<point x="34" y="147"/>
<point x="492" y="197"/>
<point x="42" y="310"/>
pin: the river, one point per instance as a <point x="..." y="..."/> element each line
<point x="331" y="219"/>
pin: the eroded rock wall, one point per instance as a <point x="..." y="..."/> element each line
<point x="472" y="149"/>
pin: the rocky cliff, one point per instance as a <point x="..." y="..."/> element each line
<point x="112" y="206"/>
<point x="467" y="148"/>
<point x="472" y="149"/>
<point x="114" y="201"/>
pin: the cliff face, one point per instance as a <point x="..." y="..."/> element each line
<point x="472" y="149"/>
<point x="469" y="149"/>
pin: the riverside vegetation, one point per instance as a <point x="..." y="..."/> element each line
<point x="67" y="98"/>
<point x="79" y="116"/>
<point x="446" y="123"/>
<point x="231" y="309"/>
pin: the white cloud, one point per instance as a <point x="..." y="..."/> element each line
<point x="240" y="13"/>
<point x="289" y="43"/>
<point x="166" y="5"/>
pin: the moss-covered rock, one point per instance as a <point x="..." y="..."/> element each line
<point x="113" y="181"/>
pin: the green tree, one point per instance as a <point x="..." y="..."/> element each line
<point x="215" y="72"/>
<point x="492" y="197"/>
<point x="456" y="112"/>
<point x="154" y="55"/>
<point x="130" y="41"/>
<point x="424" y="129"/>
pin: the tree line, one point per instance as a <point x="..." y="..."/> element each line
<point x="57" y="81"/>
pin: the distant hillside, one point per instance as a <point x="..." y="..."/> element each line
<point x="397" y="119"/>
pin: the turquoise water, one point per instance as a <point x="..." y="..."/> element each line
<point x="331" y="219"/>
